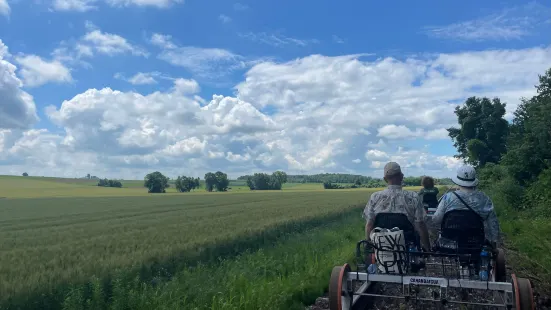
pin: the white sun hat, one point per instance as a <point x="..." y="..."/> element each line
<point x="465" y="176"/>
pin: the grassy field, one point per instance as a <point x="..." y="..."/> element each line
<point x="67" y="243"/>
<point x="72" y="232"/>
<point x="37" y="187"/>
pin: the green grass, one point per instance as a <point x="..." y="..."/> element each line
<point x="69" y="240"/>
<point x="289" y="274"/>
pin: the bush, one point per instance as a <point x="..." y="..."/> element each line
<point x="538" y="195"/>
<point x="498" y="180"/>
<point x="109" y="183"/>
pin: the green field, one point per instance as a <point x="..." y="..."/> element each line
<point x="67" y="243"/>
<point x="70" y="231"/>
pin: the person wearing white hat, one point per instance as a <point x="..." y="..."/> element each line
<point x="479" y="202"/>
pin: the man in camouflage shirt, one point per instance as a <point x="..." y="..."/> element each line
<point x="477" y="200"/>
<point x="396" y="200"/>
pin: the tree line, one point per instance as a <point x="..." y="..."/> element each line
<point x="156" y="182"/>
<point x="513" y="159"/>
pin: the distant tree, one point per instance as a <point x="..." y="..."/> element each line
<point x="186" y="184"/>
<point x="222" y="181"/>
<point x="483" y="131"/>
<point x="25" y="174"/>
<point x="264" y="181"/>
<point x="109" y="183"/>
<point x="357" y="182"/>
<point x="210" y="181"/>
<point x="156" y="182"/>
<point x="88" y="176"/>
<point x="250" y="183"/>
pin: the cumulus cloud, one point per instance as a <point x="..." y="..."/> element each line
<point x="37" y="71"/>
<point x="224" y="18"/>
<point x="313" y="114"/>
<point x="4" y="8"/>
<point x="17" y="108"/>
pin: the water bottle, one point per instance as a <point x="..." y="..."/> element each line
<point x="413" y="257"/>
<point x="484" y="263"/>
<point x="372" y="268"/>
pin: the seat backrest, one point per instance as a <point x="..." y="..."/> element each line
<point x="465" y="227"/>
<point x="390" y="220"/>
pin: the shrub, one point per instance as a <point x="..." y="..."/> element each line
<point x="538" y="195"/>
<point x="498" y="180"/>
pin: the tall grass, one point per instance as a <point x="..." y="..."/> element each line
<point x="288" y="274"/>
<point x="69" y="241"/>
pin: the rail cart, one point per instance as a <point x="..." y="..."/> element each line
<point x="454" y="264"/>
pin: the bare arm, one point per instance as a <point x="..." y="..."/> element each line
<point x="369" y="215"/>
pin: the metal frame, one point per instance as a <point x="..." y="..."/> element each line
<point x="442" y="283"/>
<point x="504" y="289"/>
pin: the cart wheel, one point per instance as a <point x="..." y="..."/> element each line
<point x="339" y="296"/>
<point x="501" y="271"/>
<point x="524" y="297"/>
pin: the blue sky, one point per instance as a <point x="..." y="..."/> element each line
<point x="295" y="92"/>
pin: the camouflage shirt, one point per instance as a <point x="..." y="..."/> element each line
<point x="395" y="200"/>
<point x="479" y="202"/>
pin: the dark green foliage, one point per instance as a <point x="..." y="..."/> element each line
<point x="483" y="131"/>
<point x="109" y="183"/>
<point x="186" y="184"/>
<point x="529" y="146"/>
<point x="25" y="174"/>
<point x="264" y="181"/>
<point x="156" y="182"/>
<point x="217" y="180"/>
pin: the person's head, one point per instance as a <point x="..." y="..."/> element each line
<point x="466" y="177"/>
<point x="393" y="174"/>
<point x="427" y="182"/>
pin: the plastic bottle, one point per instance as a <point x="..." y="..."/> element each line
<point x="484" y="263"/>
<point x="372" y="268"/>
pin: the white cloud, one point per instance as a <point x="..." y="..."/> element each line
<point x="142" y="78"/>
<point x="309" y="115"/>
<point x="162" y="41"/>
<point x="144" y="3"/>
<point x="337" y="39"/>
<point x="510" y="24"/>
<point x="277" y="40"/>
<point x="109" y="44"/>
<point x="240" y="6"/>
<point x="376" y="155"/>
<point x="17" y="108"/>
<point x="224" y="18"/>
<point x="37" y="71"/>
<point x="4" y="8"/>
<point x="74" y="5"/>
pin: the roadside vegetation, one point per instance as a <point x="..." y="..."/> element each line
<point x="513" y="160"/>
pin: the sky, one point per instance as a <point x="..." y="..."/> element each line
<point x="121" y="88"/>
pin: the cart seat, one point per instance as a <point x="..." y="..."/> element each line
<point x="461" y="232"/>
<point x="390" y="220"/>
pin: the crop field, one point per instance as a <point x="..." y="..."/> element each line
<point x="50" y="244"/>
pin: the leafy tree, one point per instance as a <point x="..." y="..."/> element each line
<point x="210" y="181"/>
<point x="25" y="174"/>
<point x="156" y="182"/>
<point x="109" y="183"/>
<point x="222" y="181"/>
<point x="186" y="184"/>
<point x="483" y="131"/>
<point x="529" y="148"/>
<point x="264" y="181"/>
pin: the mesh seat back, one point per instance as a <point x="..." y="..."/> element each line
<point x="464" y="227"/>
<point x="400" y="220"/>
